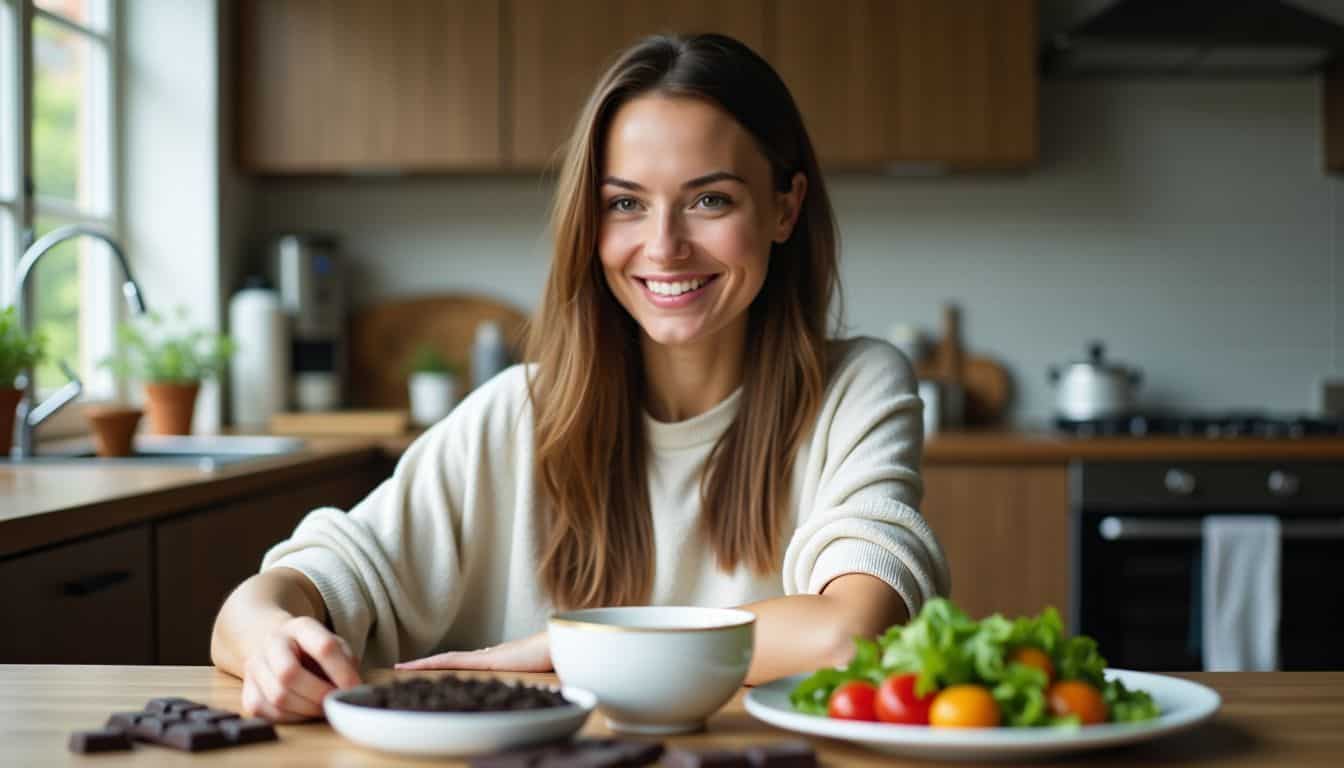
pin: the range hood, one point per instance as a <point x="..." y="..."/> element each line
<point x="1191" y="38"/>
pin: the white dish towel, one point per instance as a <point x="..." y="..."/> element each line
<point x="1241" y="593"/>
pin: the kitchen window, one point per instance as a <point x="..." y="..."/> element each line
<point x="59" y="165"/>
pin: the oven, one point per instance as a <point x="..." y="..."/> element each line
<point x="1136" y="556"/>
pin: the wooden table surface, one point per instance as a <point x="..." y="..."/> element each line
<point x="1267" y="718"/>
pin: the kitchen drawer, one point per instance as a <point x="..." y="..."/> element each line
<point x="81" y="603"/>
<point x="1225" y="486"/>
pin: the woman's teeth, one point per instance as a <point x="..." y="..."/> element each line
<point x="674" y="289"/>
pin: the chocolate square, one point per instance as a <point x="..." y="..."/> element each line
<point x="152" y="727"/>
<point x="105" y="740"/>
<point x="782" y="754"/>
<point x="193" y="737"/>
<point x="124" y="721"/>
<point x="168" y="703"/>
<point x="717" y="758"/>
<point x="210" y="715"/>
<point x="249" y="731"/>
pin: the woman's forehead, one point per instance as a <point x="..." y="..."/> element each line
<point x="675" y="138"/>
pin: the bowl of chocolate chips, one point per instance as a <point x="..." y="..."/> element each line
<point x="454" y="716"/>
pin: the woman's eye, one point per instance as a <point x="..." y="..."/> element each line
<point x="623" y="205"/>
<point x="713" y="202"/>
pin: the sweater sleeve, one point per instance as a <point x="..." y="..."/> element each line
<point x="858" y="513"/>
<point x="390" y="571"/>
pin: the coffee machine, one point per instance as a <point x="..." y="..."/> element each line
<point x="307" y="271"/>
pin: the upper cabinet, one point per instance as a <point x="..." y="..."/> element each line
<point x="886" y="83"/>
<point x="558" y="48"/>
<point x="443" y="85"/>
<point x="360" y="85"/>
<point x="1332" y="113"/>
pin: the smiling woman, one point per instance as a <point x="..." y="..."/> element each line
<point x="687" y="435"/>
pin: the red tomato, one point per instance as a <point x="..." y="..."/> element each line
<point x="853" y="701"/>
<point x="897" y="702"/>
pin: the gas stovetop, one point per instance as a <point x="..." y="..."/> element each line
<point x="1205" y="425"/>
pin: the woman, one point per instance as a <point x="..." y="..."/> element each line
<point x="687" y="434"/>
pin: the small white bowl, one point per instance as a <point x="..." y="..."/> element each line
<point x="454" y="734"/>
<point x="656" y="670"/>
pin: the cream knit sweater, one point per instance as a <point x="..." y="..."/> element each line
<point x="441" y="555"/>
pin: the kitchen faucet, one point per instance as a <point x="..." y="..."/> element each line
<point x="28" y="416"/>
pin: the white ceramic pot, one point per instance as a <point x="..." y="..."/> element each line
<point x="654" y="669"/>
<point x="433" y="396"/>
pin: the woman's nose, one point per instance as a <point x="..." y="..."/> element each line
<point x="666" y="241"/>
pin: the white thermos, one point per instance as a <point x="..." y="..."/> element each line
<point x="259" y="370"/>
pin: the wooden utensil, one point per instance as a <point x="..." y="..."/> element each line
<point x="384" y="335"/>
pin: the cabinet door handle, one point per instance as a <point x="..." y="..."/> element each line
<point x="87" y="585"/>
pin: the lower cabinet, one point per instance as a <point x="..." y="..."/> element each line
<point x="201" y="556"/>
<point x="1005" y="531"/>
<point x="86" y="602"/>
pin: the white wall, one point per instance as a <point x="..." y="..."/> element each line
<point x="172" y="164"/>
<point x="1187" y="223"/>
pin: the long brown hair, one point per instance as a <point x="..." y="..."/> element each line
<point x="587" y="390"/>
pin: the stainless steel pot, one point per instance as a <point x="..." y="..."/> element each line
<point x="1094" y="388"/>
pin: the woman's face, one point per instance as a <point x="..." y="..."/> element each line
<point x="688" y="214"/>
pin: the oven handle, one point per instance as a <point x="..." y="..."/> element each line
<point x="1135" y="529"/>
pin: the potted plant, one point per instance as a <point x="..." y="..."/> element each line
<point x="18" y="352"/>
<point x="433" y="385"/>
<point x="172" y="362"/>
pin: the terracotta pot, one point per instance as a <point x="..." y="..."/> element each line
<point x="9" y="404"/>
<point x="170" y="407"/>
<point x="113" y="428"/>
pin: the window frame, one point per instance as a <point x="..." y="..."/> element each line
<point x="99" y="276"/>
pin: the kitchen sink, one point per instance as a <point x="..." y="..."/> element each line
<point x="201" y="451"/>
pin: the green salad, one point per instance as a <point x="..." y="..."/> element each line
<point x="945" y="669"/>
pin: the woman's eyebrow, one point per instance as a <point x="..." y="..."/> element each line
<point x="698" y="181"/>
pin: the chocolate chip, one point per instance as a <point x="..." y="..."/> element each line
<point x="193" y="737"/>
<point x="453" y="694"/>
<point x="249" y="731"/>
<point x="106" y="740"/>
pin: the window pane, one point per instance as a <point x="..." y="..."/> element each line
<point x="55" y="291"/>
<point x="70" y="110"/>
<point x="9" y="127"/>
<point x="8" y="258"/>
<point x="89" y="13"/>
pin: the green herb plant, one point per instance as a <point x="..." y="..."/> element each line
<point x="943" y="646"/>
<point x="427" y="359"/>
<point x="18" y="350"/>
<point x="152" y="350"/>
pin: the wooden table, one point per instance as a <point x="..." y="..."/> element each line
<point x="1274" y="718"/>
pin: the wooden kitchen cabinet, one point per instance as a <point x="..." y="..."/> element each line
<point x="86" y="602"/>
<point x="886" y="83"/>
<point x="1332" y="115"/>
<point x="359" y="85"/>
<point x="1005" y="530"/>
<point x="558" y="48"/>
<point x="203" y="555"/>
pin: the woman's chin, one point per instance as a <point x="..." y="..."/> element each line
<point x="674" y="335"/>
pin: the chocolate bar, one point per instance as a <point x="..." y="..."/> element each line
<point x="718" y="758"/>
<point x="580" y="753"/>
<point x="105" y="740"/>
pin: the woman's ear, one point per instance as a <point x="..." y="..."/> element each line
<point x="787" y="207"/>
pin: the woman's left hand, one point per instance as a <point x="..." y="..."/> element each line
<point x="529" y="654"/>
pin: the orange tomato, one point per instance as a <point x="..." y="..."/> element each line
<point x="964" y="706"/>
<point x="1034" y="657"/>
<point x="1075" y="697"/>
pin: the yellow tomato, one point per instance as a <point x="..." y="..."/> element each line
<point x="964" y="706"/>
<point x="1034" y="657"/>
<point x="1075" y="697"/>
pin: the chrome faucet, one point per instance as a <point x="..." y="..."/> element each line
<point x="29" y="416"/>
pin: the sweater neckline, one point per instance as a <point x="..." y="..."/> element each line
<point x="695" y="431"/>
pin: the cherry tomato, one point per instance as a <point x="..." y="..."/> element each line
<point x="964" y="706"/>
<point x="853" y="701"/>
<point x="1034" y="657"/>
<point x="897" y="702"/>
<point x="1075" y="697"/>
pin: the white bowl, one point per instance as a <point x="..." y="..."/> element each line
<point x="454" y="734"/>
<point x="655" y="669"/>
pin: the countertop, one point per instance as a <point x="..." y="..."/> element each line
<point x="1267" y="718"/>
<point x="1029" y="447"/>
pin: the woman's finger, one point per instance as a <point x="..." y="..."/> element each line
<point x="284" y="700"/>
<point x="330" y="651"/>
<point x="285" y="665"/>
<point x="530" y="654"/>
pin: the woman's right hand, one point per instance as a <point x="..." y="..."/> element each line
<point x="292" y="668"/>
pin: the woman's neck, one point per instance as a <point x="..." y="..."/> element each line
<point x="686" y="380"/>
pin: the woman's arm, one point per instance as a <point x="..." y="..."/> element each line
<point x="270" y="632"/>
<point x="802" y="633"/>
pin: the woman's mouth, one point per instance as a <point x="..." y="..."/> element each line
<point x="675" y="293"/>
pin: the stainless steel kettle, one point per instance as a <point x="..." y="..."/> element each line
<point x="1094" y="388"/>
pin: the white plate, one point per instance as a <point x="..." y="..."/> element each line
<point x="455" y="734"/>
<point x="1183" y="705"/>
